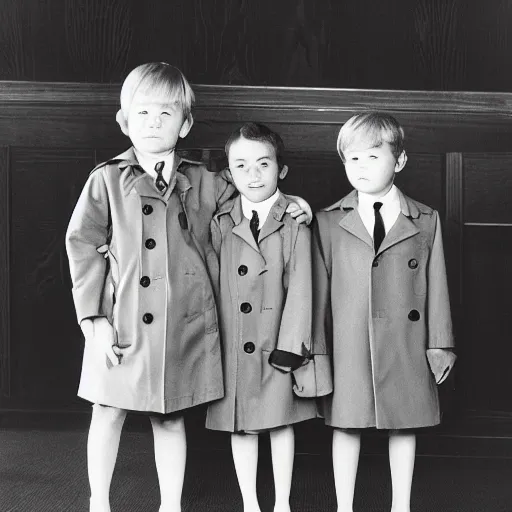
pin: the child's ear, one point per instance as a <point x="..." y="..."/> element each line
<point x="187" y="125"/>
<point x="121" y="121"/>
<point x="283" y="172"/>
<point x="401" y="161"/>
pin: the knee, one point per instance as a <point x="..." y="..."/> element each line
<point x="108" y="415"/>
<point x="170" y="423"/>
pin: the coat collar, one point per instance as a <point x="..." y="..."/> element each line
<point x="241" y="223"/>
<point x="403" y="228"/>
<point x="134" y="177"/>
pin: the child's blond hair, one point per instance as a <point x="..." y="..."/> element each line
<point x="373" y="128"/>
<point x="160" y="79"/>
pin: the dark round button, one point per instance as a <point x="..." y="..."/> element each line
<point x="375" y="263"/>
<point x="242" y="270"/>
<point x="150" y="243"/>
<point x="414" y="315"/>
<point x="147" y="209"/>
<point x="147" y="318"/>
<point x="413" y="263"/>
<point x="145" y="281"/>
<point x="245" y="307"/>
<point x="249" y="347"/>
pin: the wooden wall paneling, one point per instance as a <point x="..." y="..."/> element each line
<point x="46" y="340"/>
<point x="488" y="188"/>
<point x="454" y="223"/>
<point x="5" y="218"/>
<point x="483" y="369"/>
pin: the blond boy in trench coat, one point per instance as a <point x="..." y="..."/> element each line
<point x="144" y="273"/>
<point x="382" y="295"/>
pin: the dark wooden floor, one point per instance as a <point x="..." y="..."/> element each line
<point x="43" y="469"/>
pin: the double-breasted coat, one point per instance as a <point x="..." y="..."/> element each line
<point x="144" y="261"/>
<point x="383" y="312"/>
<point x="265" y="304"/>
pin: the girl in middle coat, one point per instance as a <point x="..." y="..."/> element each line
<point x="265" y="304"/>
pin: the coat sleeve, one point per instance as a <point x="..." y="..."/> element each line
<point x="440" y="334"/>
<point x="86" y="234"/>
<point x="224" y="188"/>
<point x="315" y="378"/>
<point x="294" y="342"/>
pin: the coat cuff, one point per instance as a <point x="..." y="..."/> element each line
<point x="285" y="361"/>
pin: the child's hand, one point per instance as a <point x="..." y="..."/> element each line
<point x="299" y="209"/>
<point x="441" y="362"/>
<point x="100" y="333"/>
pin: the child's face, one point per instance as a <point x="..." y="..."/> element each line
<point x="254" y="169"/>
<point x="372" y="169"/>
<point x="154" y="125"/>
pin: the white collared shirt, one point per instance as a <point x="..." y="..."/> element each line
<point x="263" y="207"/>
<point x="390" y="209"/>
<point x="148" y="164"/>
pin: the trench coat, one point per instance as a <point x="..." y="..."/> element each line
<point x="382" y="312"/>
<point x="265" y="303"/>
<point x="144" y="261"/>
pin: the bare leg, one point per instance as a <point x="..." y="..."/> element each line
<point x="245" y="458"/>
<point x="170" y="457"/>
<point x="345" y="459"/>
<point x="282" y="442"/>
<point x="102" y="447"/>
<point x="402" y="450"/>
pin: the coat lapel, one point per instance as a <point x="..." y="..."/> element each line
<point x="275" y="218"/>
<point x="404" y="227"/>
<point x="350" y="219"/>
<point x="241" y="227"/>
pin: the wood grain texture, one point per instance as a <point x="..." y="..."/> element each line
<point x="5" y="283"/>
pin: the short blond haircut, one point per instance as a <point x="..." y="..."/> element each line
<point x="372" y="128"/>
<point x="159" y="79"/>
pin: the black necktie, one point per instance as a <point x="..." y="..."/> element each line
<point x="160" y="183"/>
<point x="378" y="230"/>
<point x="254" y="224"/>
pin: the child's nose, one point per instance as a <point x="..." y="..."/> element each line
<point x="156" y="121"/>
<point x="255" y="173"/>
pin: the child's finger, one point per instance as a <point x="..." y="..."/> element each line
<point x="295" y="213"/>
<point x="112" y="356"/>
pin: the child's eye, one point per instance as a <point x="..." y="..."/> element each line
<point x="143" y="112"/>
<point x="264" y="164"/>
<point x="354" y="159"/>
<point x="373" y="157"/>
<point x="165" y="113"/>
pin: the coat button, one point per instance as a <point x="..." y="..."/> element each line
<point x="375" y="263"/>
<point x="147" y="318"/>
<point x="414" y="315"/>
<point x="249" y="347"/>
<point x="245" y="307"/>
<point x="413" y="263"/>
<point x="242" y="270"/>
<point x="145" y="281"/>
<point x="150" y="243"/>
<point x="147" y="209"/>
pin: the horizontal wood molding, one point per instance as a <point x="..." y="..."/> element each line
<point x="313" y="99"/>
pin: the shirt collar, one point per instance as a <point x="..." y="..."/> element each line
<point x="148" y="164"/>
<point x="128" y="161"/>
<point x="262" y="208"/>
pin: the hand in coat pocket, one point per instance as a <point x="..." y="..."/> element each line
<point x="100" y="333"/>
